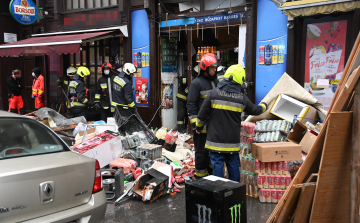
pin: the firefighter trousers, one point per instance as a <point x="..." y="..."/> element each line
<point x="77" y="112"/>
<point x="16" y="105"/>
<point x="201" y="156"/>
<point x="105" y="113"/>
<point x="232" y="161"/>
<point x="181" y="116"/>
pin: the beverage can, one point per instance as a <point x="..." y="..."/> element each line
<point x="271" y="181"/>
<point x="274" y="167"/>
<point x="139" y="63"/>
<point x="262" y="167"/>
<point x="268" y="54"/>
<point x="143" y="59"/>
<point x="279" y="168"/>
<point x="267" y="195"/>
<point x="268" y="167"/>
<point x="274" y="196"/>
<point x="287" y="181"/>
<point x="277" y="181"/>
<point x="135" y="59"/>
<point x="275" y="54"/>
<point x="147" y="59"/>
<point x="260" y="182"/>
<point x="257" y="166"/>
<point x="265" y="180"/>
<point x="282" y="182"/>
<point x="281" y="54"/>
<point x="280" y="193"/>
<point x="285" y="168"/>
<point x="262" y="196"/>
<point x="262" y="55"/>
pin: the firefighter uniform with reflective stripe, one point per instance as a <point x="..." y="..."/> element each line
<point x="77" y="96"/>
<point x="181" y="103"/>
<point x="38" y="91"/>
<point x="200" y="87"/>
<point x="122" y="96"/>
<point x="64" y="82"/>
<point x="223" y="129"/>
<point x="102" y="95"/>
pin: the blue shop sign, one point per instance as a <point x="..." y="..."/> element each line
<point x="220" y="18"/>
<point x="23" y="11"/>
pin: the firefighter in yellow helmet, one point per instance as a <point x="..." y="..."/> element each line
<point x="77" y="94"/>
<point x="226" y="103"/>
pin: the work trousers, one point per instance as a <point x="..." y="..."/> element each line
<point x="201" y="155"/>
<point x="232" y="161"/>
<point x="105" y="113"/>
<point x="77" y="112"/>
<point x="16" y="105"/>
<point x="181" y="116"/>
<point x="39" y="103"/>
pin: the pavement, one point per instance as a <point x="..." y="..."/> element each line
<point x="171" y="208"/>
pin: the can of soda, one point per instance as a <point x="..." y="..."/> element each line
<point x="277" y="181"/>
<point x="135" y="59"/>
<point x="275" y="54"/>
<point x="281" y="54"/>
<point x="257" y="166"/>
<point x="143" y="59"/>
<point x="261" y="55"/>
<point x="147" y="58"/>
<point x="260" y="182"/>
<point x="139" y="63"/>
<point x="280" y="194"/>
<point x="268" y="54"/>
<point x="262" y="195"/>
<point x="271" y="181"/>
<point x="262" y="167"/>
<point x="267" y="195"/>
<point x="279" y="168"/>
<point x="274" y="168"/>
<point x="285" y="168"/>
<point x="265" y="180"/>
<point x="282" y="182"/>
<point x="268" y="167"/>
<point x="287" y="181"/>
<point x="274" y="196"/>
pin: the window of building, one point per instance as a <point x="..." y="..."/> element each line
<point x="88" y="4"/>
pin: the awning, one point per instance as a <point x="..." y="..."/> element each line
<point x="313" y="7"/>
<point x="59" y="44"/>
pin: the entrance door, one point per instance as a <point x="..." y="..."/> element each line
<point x="28" y="64"/>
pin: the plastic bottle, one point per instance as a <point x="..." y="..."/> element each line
<point x="202" y="52"/>
<point x="198" y="55"/>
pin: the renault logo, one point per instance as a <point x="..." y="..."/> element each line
<point x="48" y="190"/>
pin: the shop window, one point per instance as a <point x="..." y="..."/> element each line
<point x="71" y="60"/>
<point x="92" y="56"/>
<point x="107" y="54"/>
<point x="92" y="76"/>
<point x="77" y="58"/>
<point x="83" y="57"/>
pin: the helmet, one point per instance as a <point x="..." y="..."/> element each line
<point x="107" y="65"/>
<point x="196" y="69"/>
<point x="208" y="60"/>
<point x="236" y="73"/>
<point x="129" y="68"/>
<point x="83" y="71"/>
<point x="71" y="71"/>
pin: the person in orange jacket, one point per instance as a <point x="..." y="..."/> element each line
<point x="38" y="88"/>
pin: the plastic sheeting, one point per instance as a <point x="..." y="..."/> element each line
<point x="58" y="118"/>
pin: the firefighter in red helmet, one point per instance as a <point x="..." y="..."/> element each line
<point x="199" y="89"/>
<point x="103" y="94"/>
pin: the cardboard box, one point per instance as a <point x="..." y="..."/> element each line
<point x="154" y="178"/>
<point x="299" y="134"/>
<point x="276" y="151"/>
<point x="286" y="107"/>
<point x="104" y="147"/>
<point x="312" y="116"/>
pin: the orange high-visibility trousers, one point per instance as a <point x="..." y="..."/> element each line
<point x="16" y="105"/>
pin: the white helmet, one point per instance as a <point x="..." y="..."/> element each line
<point x="71" y="71"/>
<point x="129" y="68"/>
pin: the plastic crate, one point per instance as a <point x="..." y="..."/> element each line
<point x="149" y="151"/>
<point x="134" y="124"/>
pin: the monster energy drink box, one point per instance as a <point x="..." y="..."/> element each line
<point x="215" y="199"/>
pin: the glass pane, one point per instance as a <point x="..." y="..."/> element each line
<point x="99" y="57"/>
<point x="92" y="93"/>
<point x="75" y="4"/>
<point x="68" y="4"/>
<point x="92" y="56"/>
<point x="84" y="57"/>
<point x="92" y="76"/>
<point x="99" y="72"/>
<point x="97" y="4"/>
<point x="77" y="56"/>
<point x="71" y="56"/>
<point x="105" y="3"/>
<point x="107" y="54"/>
<point x="82" y="4"/>
<point x="113" y="2"/>
<point x="90" y="4"/>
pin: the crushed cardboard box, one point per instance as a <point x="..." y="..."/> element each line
<point x="300" y="135"/>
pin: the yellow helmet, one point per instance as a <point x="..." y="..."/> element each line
<point x="83" y="71"/>
<point x="236" y="73"/>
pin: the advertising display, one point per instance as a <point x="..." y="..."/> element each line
<point x="324" y="59"/>
<point x="23" y="11"/>
<point x="141" y="90"/>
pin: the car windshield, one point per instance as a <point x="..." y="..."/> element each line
<point x="25" y="137"/>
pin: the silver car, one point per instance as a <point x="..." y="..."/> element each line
<point x="41" y="180"/>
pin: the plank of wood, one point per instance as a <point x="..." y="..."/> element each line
<point x="303" y="208"/>
<point x="355" y="158"/>
<point x="351" y="102"/>
<point x="331" y="200"/>
<point x="66" y="127"/>
<point x="290" y="205"/>
<point x="312" y="178"/>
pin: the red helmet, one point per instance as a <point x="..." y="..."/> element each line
<point x="107" y="65"/>
<point x="208" y="60"/>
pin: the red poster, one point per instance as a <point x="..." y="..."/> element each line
<point x="141" y="91"/>
<point x="324" y="59"/>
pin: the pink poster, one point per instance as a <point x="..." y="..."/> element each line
<point x="324" y="59"/>
<point x="141" y="91"/>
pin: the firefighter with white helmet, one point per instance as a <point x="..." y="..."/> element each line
<point x="64" y="81"/>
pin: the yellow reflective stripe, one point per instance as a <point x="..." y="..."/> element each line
<point x="202" y="174"/>
<point x="222" y="148"/>
<point x="119" y="82"/>
<point x="203" y="131"/>
<point x="85" y="101"/>
<point x="97" y="97"/>
<point x="104" y="86"/>
<point x="193" y="120"/>
<point x="112" y="109"/>
<point x="203" y="96"/>
<point x="79" y="104"/>
<point x="180" y="122"/>
<point x="227" y="107"/>
<point x="72" y="85"/>
<point x="41" y="92"/>
<point x="115" y="104"/>
<point x="264" y="106"/>
<point x="198" y="124"/>
<point x="181" y="96"/>
<point x="66" y="82"/>
<point x="184" y="80"/>
<point x="132" y="104"/>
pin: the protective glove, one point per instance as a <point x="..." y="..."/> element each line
<point x="32" y="96"/>
<point x="97" y="106"/>
<point x="39" y="97"/>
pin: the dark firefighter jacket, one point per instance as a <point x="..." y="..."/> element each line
<point x="64" y="83"/>
<point x="102" y="94"/>
<point x="14" y="86"/>
<point x="122" y="91"/>
<point x="183" y="87"/>
<point x="77" y="92"/>
<point x="199" y="89"/>
<point x="225" y="109"/>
